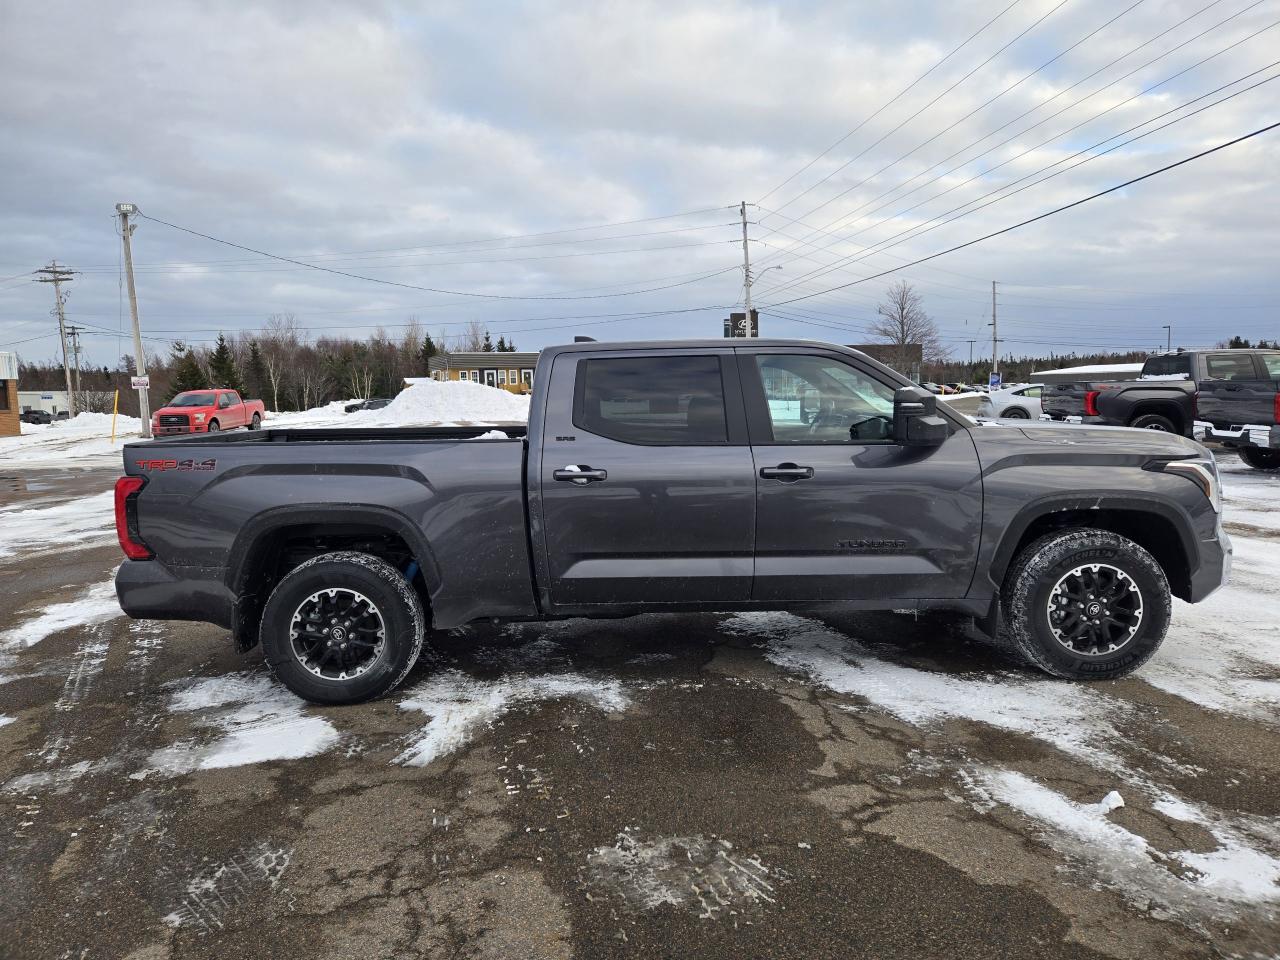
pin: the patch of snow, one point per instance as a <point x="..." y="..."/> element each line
<point x="704" y="875"/>
<point x="1165" y="376"/>
<point x="255" y="720"/>
<point x="1072" y="717"/>
<point x="4" y="720"/>
<point x="85" y="522"/>
<point x="1237" y="873"/>
<point x="1112" y="801"/>
<point x="459" y="706"/>
<point x="95" y="605"/>
<point x="83" y="437"/>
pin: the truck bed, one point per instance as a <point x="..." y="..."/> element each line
<point x="513" y="431"/>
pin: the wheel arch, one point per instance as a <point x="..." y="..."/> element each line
<point x="277" y="540"/>
<point x="1155" y="526"/>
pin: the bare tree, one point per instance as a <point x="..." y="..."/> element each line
<point x="471" y="340"/>
<point x="902" y="322"/>
<point x="279" y="345"/>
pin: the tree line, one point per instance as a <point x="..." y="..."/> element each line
<point x="275" y="364"/>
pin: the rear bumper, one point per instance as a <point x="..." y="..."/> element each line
<point x="148" y="590"/>
<point x="1266" y="436"/>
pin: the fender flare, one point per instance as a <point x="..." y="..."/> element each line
<point x="254" y="532"/>
<point x="1117" y="502"/>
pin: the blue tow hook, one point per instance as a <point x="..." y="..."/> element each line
<point x="411" y="570"/>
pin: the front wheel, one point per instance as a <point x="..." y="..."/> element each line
<point x="214" y="426"/>
<point x="343" y="627"/>
<point x="1085" y="604"/>
<point x="1260" y="459"/>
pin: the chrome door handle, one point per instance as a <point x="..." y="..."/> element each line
<point x="581" y="475"/>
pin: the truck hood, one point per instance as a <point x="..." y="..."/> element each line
<point x="1082" y="439"/>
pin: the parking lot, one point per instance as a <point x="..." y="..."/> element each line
<point x="748" y="785"/>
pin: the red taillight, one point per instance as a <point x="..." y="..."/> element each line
<point x="1275" y="408"/>
<point x="127" y="518"/>
<point x="1091" y="403"/>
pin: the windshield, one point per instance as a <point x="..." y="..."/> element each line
<point x="192" y="400"/>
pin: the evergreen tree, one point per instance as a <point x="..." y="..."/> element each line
<point x="256" y="375"/>
<point x="511" y="346"/>
<point x="222" y="367"/>
<point x="487" y="345"/>
<point x="425" y="354"/>
<point x="502" y="344"/>
<point x="187" y="372"/>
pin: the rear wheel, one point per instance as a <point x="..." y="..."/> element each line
<point x="256" y="422"/>
<point x="343" y="627"/>
<point x="1085" y="604"/>
<point x="1260" y="459"/>
<point x="1015" y="413"/>
<point x="1153" y="421"/>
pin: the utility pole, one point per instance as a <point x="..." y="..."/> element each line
<point x="746" y="268"/>
<point x="1168" y="329"/>
<point x="995" y="340"/>
<point x="74" y="333"/>
<point x="140" y="360"/>
<point x="971" y="343"/>
<point x="57" y="276"/>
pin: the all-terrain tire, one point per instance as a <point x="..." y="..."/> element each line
<point x="347" y="573"/>
<point x="1029" y="589"/>
<point x="1260" y="459"/>
<point x="1153" y="421"/>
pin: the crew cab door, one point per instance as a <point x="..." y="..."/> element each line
<point x="843" y="512"/>
<point x="646" y="485"/>
<point x="1238" y="389"/>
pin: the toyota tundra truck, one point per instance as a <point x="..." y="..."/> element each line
<point x="710" y="475"/>
<point x="206" y="411"/>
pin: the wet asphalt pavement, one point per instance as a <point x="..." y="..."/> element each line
<point x="664" y="786"/>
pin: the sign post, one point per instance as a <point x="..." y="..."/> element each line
<point x="115" y="409"/>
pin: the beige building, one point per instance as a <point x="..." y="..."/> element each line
<point x="508" y="371"/>
<point x="10" y="425"/>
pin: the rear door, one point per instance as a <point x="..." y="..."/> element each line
<point x="843" y="512"/>
<point x="1237" y="389"/>
<point x="647" y="489"/>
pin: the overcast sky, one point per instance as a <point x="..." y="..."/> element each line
<point x="462" y="147"/>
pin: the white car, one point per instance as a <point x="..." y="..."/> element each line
<point x="1015" y="403"/>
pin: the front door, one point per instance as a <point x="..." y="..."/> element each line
<point x="843" y="512"/>
<point x="647" y="484"/>
<point x="1238" y="389"/>
<point x="491" y="378"/>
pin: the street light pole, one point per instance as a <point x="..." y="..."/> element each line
<point x="1168" y="329"/>
<point x="140" y="359"/>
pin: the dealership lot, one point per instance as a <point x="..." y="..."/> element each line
<point x="749" y="785"/>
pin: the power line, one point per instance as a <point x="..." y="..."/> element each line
<point x="828" y="228"/>
<point x="1049" y="213"/>
<point x="411" y="286"/>
<point x="890" y="102"/>
<point x="945" y="218"/>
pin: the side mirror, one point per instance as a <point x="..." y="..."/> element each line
<point x="915" y="418"/>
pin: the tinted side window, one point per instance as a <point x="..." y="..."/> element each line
<point x="815" y="399"/>
<point x="1272" y="361"/>
<point x="652" y="400"/>
<point x="1030" y="392"/>
<point x="1167" y="366"/>
<point x="1226" y="366"/>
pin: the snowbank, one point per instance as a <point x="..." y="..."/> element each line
<point x="83" y="436"/>
<point x="432" y="402"/>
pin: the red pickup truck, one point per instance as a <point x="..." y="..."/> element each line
<point x="206" y="411"/>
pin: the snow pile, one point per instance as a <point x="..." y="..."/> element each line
<point x="256" y="719"/>
<point x="331" y="414"/>
<point x="97" y="604"/>
<point x="435" y="402"/>
<point x="75" y="523"/>
<point x="459" y="706"/>
<point x="1165" y="376"/>
<point x="83" y="436"/>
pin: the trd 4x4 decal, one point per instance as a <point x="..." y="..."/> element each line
<point x="188" y="464"/>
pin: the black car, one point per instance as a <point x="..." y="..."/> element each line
<point x="36" y="416"/>
<point x="375" y="404"/>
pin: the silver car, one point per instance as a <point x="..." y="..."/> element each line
<point x="1016" y="403"/>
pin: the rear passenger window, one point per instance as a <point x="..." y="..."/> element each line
<point x="1169" y="365"/>
<point x="1272" y="361"/>
<point x="1229" y="367"/>
<point x="652" y="400"/>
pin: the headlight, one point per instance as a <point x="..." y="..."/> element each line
<point x="199" y="418"/>
<point x="1204" y="473"/>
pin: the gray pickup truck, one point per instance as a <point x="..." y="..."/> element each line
<point x="672" y="476"/>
